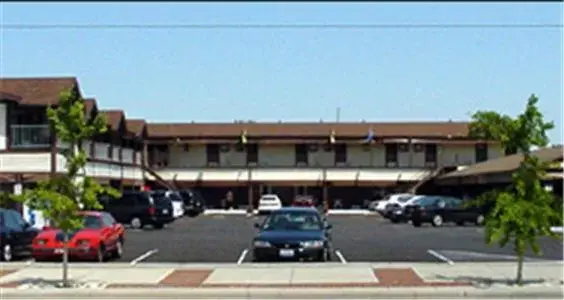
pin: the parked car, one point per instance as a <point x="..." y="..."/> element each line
<point x="384" y="205"/>
<point x="293" y="233"/>
<point x="304" y="201"/>
<point x="140" y="208"/>
<point x="175" y="197"/>
<point x="440" y="209"/>
<point x="194" y="202"/>
<point x="100" y="238"/>
<point x="268" y="203"/>
<point x="16" y="235"/>
<point x="396" y="212"/>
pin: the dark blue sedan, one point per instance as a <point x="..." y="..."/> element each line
<point x="293" y="233"/>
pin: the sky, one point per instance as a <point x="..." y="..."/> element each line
<point x="296" y="74"/>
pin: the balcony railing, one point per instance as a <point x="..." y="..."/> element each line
<point x="30" y="136"/>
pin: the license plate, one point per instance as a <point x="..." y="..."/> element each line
<point x="286" y="252"/>
<point x="59" y="251"/>
<point x="165" y="211"/>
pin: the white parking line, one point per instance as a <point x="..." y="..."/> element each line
<point x="242" y="256"/>
<point x="440" y="257"/>
<point x="340" y="256"/>
<point x="143" y="256"/>
<point x="29" y="262"/>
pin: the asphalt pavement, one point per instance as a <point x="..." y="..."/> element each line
<point x="208" y="239"/>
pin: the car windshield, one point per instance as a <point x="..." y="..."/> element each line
<point x="175" y="197"/>
<point x="293" y="221"/>
<point x="91" y="222"/>
<point x="426" y="201"/>
<point x="404" y="198"/>
<point x="268" y="198"/>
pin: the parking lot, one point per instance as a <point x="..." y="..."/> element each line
<point x="355" y="239"/>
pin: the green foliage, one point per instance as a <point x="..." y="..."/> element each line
<point x="524" y="211"/>
<point x="61" y="197"/>
<point x="514" y="134"/>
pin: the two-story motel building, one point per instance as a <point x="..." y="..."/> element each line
<point x="347" y="161"/>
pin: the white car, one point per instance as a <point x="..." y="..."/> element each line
<point x="268" y="203"/>
<point x="392" y="199"/>
<point x="177" y="202"/>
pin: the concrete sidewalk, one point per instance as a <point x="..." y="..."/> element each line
<point x="543" y="279"/>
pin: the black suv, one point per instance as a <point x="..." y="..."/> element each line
<point x="194" y="202"/>
<point x="16" y="235"/>
<point x="139" y="209"/>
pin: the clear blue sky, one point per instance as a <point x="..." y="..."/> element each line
<point x="180" y="75"/>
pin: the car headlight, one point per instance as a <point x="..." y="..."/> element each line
<point x="312" y="244"/>
<point x="83" y="243"/>
<point x="261" y="244"/>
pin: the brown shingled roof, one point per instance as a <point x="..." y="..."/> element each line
<point x="113" y="118"/>
<point x="135" y="126"/>
<point x="89" y="105"/>
<point x="37" y="91"/>
<point x="298" y="130"/>
<point x="506" y="163"/>
<point x="9" y="97"/>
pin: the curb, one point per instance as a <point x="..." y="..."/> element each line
<point x="304" y="293"/>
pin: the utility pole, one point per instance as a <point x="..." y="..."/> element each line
<point x="338" y="117"/>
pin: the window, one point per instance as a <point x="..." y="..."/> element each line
<point x="452" y="202"/>
<point x="340" y="153"/>
<point x="126" y="200"/>
<point x="431" y="153"/>
<point x="391" y="153"/>
<point x="108" y="220"/>
<point x="301" y="221"/>
<point x="212" y="153"/>
<point x="13" y="220"/>
<point x="252" y="153"/>
<point x="92" y="222"/>
<point x="301" y="154"/>
<point x="481" y="152"/>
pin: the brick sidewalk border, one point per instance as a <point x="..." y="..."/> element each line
<point x="387" y="277"/>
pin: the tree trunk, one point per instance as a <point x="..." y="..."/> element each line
<point x="65" y="259"/>
<point x="520" y="260"/>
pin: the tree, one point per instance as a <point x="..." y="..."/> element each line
<point x="525" y="210"/>
<point x="61" y="197"/>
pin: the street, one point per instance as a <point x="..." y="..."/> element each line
<point x="209" y="239"/>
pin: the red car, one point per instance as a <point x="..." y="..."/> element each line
<point x="100" y="237"/>
<point x="304" y="201"/>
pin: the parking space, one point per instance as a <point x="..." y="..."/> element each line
<point x="355" y="239"/>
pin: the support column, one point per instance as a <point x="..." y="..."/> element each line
<point x="250" y="196"/>
<point x="410" y="153"/>
<point x="325" y="197"/>
<point x="250" y="204"/>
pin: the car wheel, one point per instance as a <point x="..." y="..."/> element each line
<point x="416" y="223"/>
<point x="395" y="221"/>
<point x="7" y="253"/>
<point x="136" y="223"/>
<point x="158" y="226"/>
<point x="479" y="220"/>
<point x="118" y="252"/>
<point x="460" y="223"/>
<point x="437" y="221"/>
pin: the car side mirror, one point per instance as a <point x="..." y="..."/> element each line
<point x="256" y="225"/>
<point x="328" y="226"/>
<point x="26" y="225"/>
